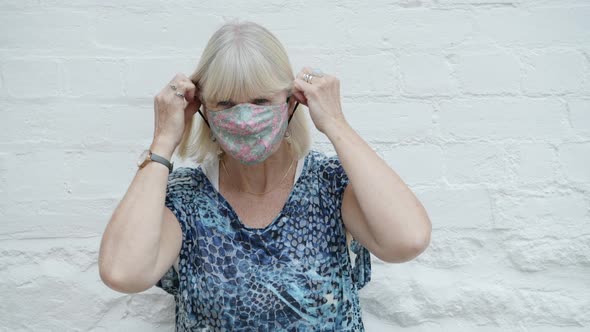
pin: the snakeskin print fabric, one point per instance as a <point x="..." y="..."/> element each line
<point x="293" y="275"/>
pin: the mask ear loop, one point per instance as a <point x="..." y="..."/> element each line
<point x="207" y="122"/>
<point x="199" y="109"/>
<point x="295" y="109"/>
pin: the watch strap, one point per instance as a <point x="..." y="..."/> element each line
<point x="161" y="160"/>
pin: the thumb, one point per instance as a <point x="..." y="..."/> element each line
<point x="190" y="110"/>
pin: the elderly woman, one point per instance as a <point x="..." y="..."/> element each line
<point x="263" y="234"/>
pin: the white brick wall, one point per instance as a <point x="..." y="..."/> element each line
<point x="483" y="108"/>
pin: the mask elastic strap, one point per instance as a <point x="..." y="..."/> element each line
<point x="295" y="109"/>
<point x="207" y="122"/>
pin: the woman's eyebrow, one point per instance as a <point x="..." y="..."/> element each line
<point x="253" y="99"/>
<point x="259" y="98"/>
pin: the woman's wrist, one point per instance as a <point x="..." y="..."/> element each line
<point x="162" y="148"/>
<point x="334" y="128"/>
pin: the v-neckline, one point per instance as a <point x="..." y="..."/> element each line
<point x="234" y="214"/>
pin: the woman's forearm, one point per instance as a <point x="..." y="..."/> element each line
<point x="391" y="209"/>
<point x="130" y="244"/>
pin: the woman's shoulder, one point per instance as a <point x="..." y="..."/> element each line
<point x="318" y="157"/>
<point x="328" y="171"/>
<point x="184" y="180"/>
<point x="323" y="162"/>
<point x="181" y="175"/>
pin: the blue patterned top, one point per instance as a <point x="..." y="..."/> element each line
<point x="293" y="275"/>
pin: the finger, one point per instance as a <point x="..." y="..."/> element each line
<point x="197" y="96"/>
<point x="313" y="79"/>
<point x="311" y="71"/>
<point x="184" y="85"/>
<point x="303" y="87"/>
<point x="303" y="72"/>
<point x="306" y="70"/>
<point x="193" y="105"/>
<point x="175" y="81"/>
<point x="190" y="110"/>
<point x="300" y="97"/>
<point x="187" y="87"/>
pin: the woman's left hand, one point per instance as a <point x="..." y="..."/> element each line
<point x="321" y="96"/>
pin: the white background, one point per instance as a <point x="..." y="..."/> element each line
<point x="483" y="108"/>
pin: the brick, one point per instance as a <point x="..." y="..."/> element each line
<point x="416" y="164"/>
<point x="35" y="175"/>
<point x="390" y="122"/>
<point x="448" y="208"/>
<point x="450" y="249"/>
<point x="33" y="216"/>
<point x="32" y="78"/>
<point x="551" y="213"/>
<point x="165" y="31"/>
<point x="554" y="72"/>
<point x="498" y="118"/>
<point x="71" y="123"/>
<point x="145" y="77"/>
<point x="426" y="74"/>
<point x="368" y="74"/>
<point x="539" y="254"/>
<point x="533" y="162"/>
<point x="575" y="161"/>
<point x="412" y="29"/>
<point x="475" y="163"/>
<point x="516" y="27"/>
<point x="94" y="77"/>
<point x="489" y="73"/>
<point x="46" y="30"/>
<point x="579" y="116"/>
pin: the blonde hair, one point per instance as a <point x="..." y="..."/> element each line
<point x="241" y="61"/>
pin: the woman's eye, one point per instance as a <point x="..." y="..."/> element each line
<point x="261" y="101"/>
<point x="224" y="103"/>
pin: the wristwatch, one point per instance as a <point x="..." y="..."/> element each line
<point x="147" y="156"/>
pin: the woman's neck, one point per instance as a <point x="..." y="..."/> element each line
<point x="261" y="177"/>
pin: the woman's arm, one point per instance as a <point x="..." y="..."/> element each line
<point x="143" y="237"/>
<point x="378" y="208"/>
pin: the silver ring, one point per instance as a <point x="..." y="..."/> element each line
<point x="307" y="78"/>
<point x="180" y="94"/>
<point x="173" y="87"/>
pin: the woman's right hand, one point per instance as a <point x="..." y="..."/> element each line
<point x="173" y="112"/>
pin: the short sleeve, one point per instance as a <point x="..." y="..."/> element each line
<point x="338" y="180"/>
<point x="333" y="172"/>
<point x="169" y="281"/>
<point x="178" y="182"/>
<point x="361" y="272"/>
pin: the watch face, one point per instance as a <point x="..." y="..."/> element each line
<point x="143" y="157"/>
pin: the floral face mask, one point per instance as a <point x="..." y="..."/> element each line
<point x="250" y="132"/>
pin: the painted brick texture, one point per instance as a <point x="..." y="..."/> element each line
<point x="482" y="107"/>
